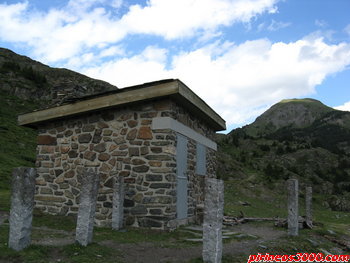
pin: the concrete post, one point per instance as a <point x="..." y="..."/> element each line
<point x="293" y="217"/>
<point x="22" y="203"/>
<point x="308" y="206"/>
<point x="87" y="207"/>
<point x="213" y="216"/>
<point x="118" y="203"/>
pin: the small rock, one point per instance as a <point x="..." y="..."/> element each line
<point x="227" y="233"/>
<point x="313" y="242"/>
<point x="331" y="232"/>
<point x="241" y="235"/>
<point x="194" y="228"/>
<point x="244" y="203"/>
<point x="325" y="251"/>
<point x="194" y="239"/>
<point x="262" y="246"/>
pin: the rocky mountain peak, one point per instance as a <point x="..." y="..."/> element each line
<point x="296" y="113"/>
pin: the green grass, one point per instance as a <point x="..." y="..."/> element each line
<point x="43" y="254"/>
<point x="92" y="253"/>
<point x="135" y="235"/>
<point x="17" y="143"/>
<point x="263" y="203"/>
<point x="5" y="196"/>
<point x="67" y="223"/>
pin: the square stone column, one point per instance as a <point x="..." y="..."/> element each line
<point x="87" y="207"/>
<point x="293" y="216"/>
<point x="213" y="216"/>
<point x="118" y="203"/>
<point x="22" y="203"/>
<point x="308" y="206"/>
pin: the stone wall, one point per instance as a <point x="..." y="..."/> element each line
<point x="118" y="141"/>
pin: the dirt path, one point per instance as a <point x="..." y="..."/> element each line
<point x="148" y="253"/>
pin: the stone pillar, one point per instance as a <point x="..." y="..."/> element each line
<point x="213" y="216"/>
<point x="293" y="217"/>
<point x="86" y="213"/>
<point x="22" y="203"/>
<point x="118" y="203"/>
<point x="308" y="206"/>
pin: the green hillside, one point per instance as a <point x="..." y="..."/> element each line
<point x="17" y="143"/>
<point x="26" y="85"/>
<point x="301" y="139"/>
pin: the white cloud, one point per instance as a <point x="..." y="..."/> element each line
<point x="83" y="25"/>
<point x="116" y="3"/>
<point x="238" y="81"/>
<point x="112" y="51"/>
<point x="347" y="29"/>
<point x="144" y="67"/>
<point x="321" y="23"/>
<point x="344" y="107"/>
<point x="273" y="26"/>
<point x="277" y="25"/>
<point x="183" y="18"/>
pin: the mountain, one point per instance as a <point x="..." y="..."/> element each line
<point x="296" y="113"/>
<point x="29" y="79"/>
<point x="299" y="138"/>
<point x="26" y="85"/>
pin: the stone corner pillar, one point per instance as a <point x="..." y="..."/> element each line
<point x="22" y="204"/>
<point x="293" y="216"/>
<point x="118" y="203"/>
<point x="213" y="216"/>
<point x="87" y="207"/>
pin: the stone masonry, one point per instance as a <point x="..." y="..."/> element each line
<point x="120" y="141"/>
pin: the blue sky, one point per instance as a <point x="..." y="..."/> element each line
<point x="240" y="56"/>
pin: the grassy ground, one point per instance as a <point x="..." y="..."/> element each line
<point x="262" y="203"/>
<point x="4" y="200"/>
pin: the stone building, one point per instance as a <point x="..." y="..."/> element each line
<point x="159" y="136"/>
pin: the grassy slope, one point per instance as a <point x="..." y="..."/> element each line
<point x="17" y="144"/>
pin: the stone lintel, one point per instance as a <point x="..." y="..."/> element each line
<point x="174" y="125"/>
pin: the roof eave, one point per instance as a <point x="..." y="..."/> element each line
<point x="175" y="89"/>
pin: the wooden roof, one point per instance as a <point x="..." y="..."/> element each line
<point x="172" y="88"/>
